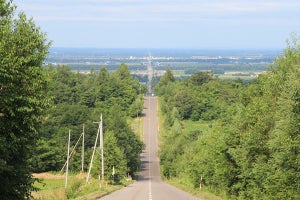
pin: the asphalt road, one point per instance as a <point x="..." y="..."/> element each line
<point x="149" y="185"/>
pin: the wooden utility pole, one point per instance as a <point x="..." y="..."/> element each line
<point x="82" y="151"/>
<point x="95" y="146"/>
<point x="68" y="158"/>
<point x="101" y="148"/>
<point x="73" y="150"/>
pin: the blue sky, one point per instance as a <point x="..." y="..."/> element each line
<point x="200" y="24"/>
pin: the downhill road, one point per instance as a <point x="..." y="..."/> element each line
<point x="149" y="185"/>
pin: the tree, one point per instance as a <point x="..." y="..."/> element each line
<point x="183" y="101"/>
<point x="284" y="143"/>
<point x="23" y="48"/>
<point x="163" y="85"/>
<point x="201" y="77"/>
<point x="47" y="156"/>
<point x="167" y="77"/>
<point x="136" y="108"/>
<point x="114" y="157"/>
<point x="127" y="140"/>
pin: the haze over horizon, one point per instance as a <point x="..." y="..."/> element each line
<point x="190" y="24"/>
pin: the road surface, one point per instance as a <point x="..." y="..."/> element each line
<point x="149" y="185"/>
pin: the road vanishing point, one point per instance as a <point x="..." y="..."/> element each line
<point x="149" y="185"/>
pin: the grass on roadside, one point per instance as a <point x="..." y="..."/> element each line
<point x="136" y="125"/>
<point x="203" y="193"/>
<point x="52" y="187"/>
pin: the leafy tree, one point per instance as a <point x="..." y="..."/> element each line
<point x="47" y="156"/>
<point x="114" y="157"/>
<point x="167" y="77"/>
<point x="136" y="108"/>
<point x="63" y="85"/>
<point x="103" y="87"/>
<point x="284" y="140"/>
<point x="183" y="101"/>
<point x="163" y="85"/>
<point x="201" y="77"/>
<point x="23" y="48"/>
<point x="126" y="139"/>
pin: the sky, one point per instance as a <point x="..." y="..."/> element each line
<point x="180" y="24"/>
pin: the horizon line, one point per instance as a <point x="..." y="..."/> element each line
<point x="171" y="48"/>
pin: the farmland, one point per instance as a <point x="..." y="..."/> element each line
<point x="226" y="64"/>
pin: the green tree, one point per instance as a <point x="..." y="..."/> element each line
<point x="47" y="156"/>
<point x="103" y="87"/>
<point x="136" y="108"/>
<point x="284" y="143"/>
<point x="167" y="77"/>
<point x="201" y="77"/>
<point x="126" y="139"/>
<point x="64" y="85"/>
<point x="183" y="101"/>
<point x="114" y="157"/>
<point x="23" y="48"/>
<point x="162" y="87"/>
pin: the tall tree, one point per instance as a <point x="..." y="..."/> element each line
<point x="201" y="77"/>
<point x="23" y="48"/>
<point x="163" y="86"/>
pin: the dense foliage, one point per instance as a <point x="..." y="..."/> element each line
<point x="80" y="99"/>
<point x="23" y="85"/>
<point x="245" y="141"/>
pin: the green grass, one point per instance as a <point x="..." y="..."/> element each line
<point x="136" y="125"/>
<point x="99" y="192"/>
<point x="189" y="125"/>
<point x="203" y="193"/>
<point x="53" y="187"/>
<point x="49" y="184"/>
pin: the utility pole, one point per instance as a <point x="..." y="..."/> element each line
<point x="68" y="158"/>
<point x="91" y="163"/>
<point x="73" y="150"/>
<point x="101" y="147"/>
<point x="100" y="131"/>
<point x="82" y="151"/>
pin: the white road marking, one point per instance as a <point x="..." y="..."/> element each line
<point x="149" y="157"/>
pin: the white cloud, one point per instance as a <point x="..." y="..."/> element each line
<point x="180" y="11"/>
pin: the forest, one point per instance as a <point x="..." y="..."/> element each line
<point x="79" y="99"/>
<point x="242" y="139"/>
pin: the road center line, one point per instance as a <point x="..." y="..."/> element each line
<point x="149" y="155"/>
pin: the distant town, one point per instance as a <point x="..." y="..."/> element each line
<point x="245" y="64"/>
